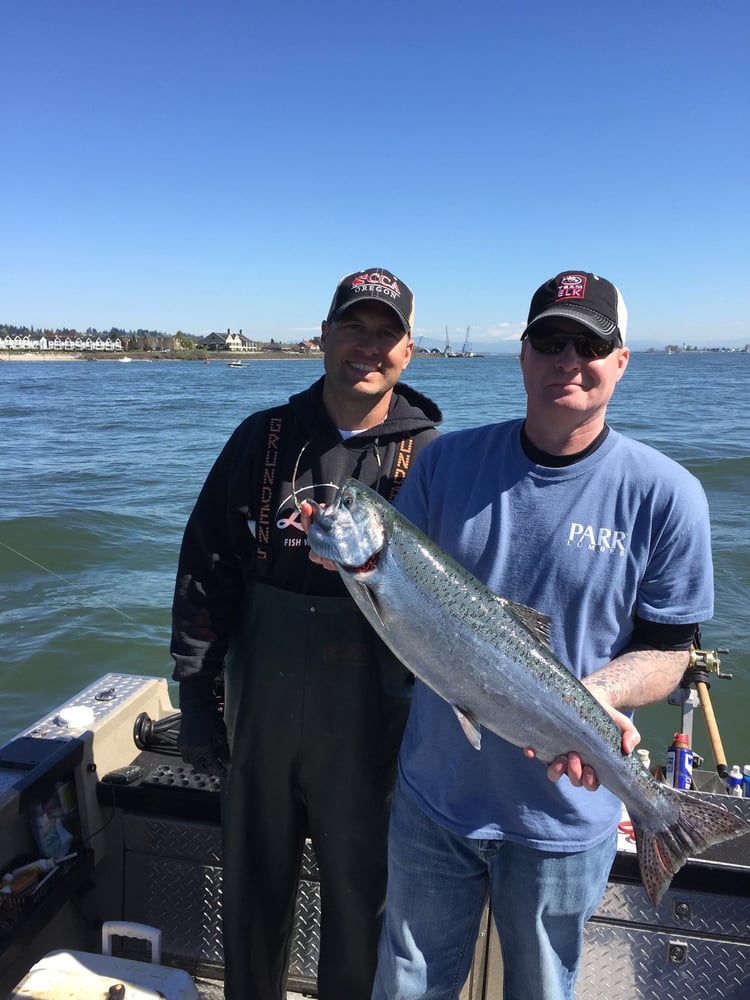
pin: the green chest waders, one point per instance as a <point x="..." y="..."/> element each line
<point x="315" y="709"/>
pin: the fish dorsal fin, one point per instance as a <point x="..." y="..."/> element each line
<point x="470" y="726"/>
<point x="537" y="623"/>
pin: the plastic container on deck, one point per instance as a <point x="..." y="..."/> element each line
<point x="734" y="781"/>
<point x="61" y="975"/>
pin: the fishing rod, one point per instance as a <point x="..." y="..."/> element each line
<point x="693" y="691"/>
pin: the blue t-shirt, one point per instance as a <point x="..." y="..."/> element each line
<point x="624" y="531"/>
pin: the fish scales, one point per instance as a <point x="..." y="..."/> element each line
<point x="490" y="660"/>
<point x="454" y="624"/>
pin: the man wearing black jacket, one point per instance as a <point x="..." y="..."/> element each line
<point x="313" y="703"/>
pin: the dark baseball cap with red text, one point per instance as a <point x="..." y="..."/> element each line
<point x="374" y="284"/>
<point x="592" y="301"/>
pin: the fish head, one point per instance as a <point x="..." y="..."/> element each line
<point x="352" y="531"/>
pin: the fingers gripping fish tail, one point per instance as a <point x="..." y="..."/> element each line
<point x="699" y="825"/>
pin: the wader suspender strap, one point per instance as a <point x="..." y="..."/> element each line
<point x="403" y="459"/>
<point x="263" y="550"/>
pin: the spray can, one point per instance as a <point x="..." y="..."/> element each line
<point x="680" y="762"/>
<point x="734" y="781"/>
<point x="746" y="781"/>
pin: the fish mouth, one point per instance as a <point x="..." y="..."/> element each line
<point x="367" y="566"/>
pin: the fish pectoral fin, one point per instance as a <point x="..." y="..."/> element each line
<point x="471" y="728"/>
<point x="376" y="610"/>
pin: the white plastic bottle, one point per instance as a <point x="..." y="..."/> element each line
<point x="734" y="781"/>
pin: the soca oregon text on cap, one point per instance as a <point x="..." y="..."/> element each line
<point x="590" y="300"/>
<point x="374" y="284"/>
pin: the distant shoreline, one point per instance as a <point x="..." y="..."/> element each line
<point x="155" y="356"/>
<point x="215" y="359"/>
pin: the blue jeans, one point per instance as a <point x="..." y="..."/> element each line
<point x="438" y="885"/>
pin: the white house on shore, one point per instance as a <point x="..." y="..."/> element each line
<point x="33" y="342"/>
<point x="228" y="342"/>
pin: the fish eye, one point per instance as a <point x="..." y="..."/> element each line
<point x="347" y="501"/>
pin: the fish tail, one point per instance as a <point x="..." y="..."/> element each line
<point x="698" y="826"/>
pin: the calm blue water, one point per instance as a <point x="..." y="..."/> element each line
<point x="101" y="463"/>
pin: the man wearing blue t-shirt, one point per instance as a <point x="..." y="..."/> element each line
<point x="611" y="540"/>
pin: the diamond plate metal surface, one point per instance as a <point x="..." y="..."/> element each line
<point x="680" y="910"/>
<point x="182" y="898"/>
<point x="622" y="963"/>
<point x="305" y="951"/>
<point x="171" y="838"/>
<point x="309" y="863"/>
<point x="104" y="697"/>
<point x="173" y="881"/>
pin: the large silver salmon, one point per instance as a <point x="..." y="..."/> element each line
<point x="490" y="659"/>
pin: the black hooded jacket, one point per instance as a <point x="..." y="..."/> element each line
<point x="245" y="525"/>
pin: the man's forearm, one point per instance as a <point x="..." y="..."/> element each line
<point x="638" y="677"/>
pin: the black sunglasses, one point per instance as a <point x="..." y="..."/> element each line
<point x="585" y="347"/>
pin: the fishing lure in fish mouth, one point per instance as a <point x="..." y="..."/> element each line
<point x="337" y="534"/>
<point x="366" y="567"/>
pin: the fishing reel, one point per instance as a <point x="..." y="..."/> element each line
<point x="707" y="661"/>
<point x="703" y="663"/>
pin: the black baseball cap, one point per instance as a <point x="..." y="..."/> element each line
<point x="592" y="301"/>
<point x="374" y="284"/>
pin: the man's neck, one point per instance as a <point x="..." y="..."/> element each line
<point x="560" y="440"/>
<point x="356" y="413"/>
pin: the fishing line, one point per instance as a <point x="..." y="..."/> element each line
<point x="64" y="580"/>
<point x="297" y="504"/>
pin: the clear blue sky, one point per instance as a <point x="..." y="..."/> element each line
<point x="200" y="165"/>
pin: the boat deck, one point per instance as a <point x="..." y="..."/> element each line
<point x="214" y="991"/>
